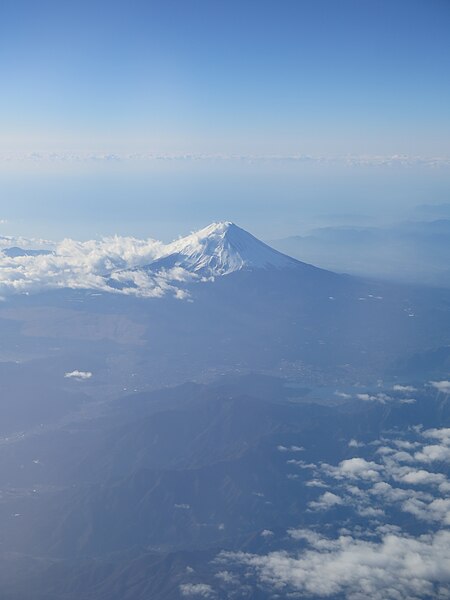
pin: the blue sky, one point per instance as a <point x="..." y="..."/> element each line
<point x="327" y="79"/>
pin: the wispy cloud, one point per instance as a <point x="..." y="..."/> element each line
<point x="199" y="590"/>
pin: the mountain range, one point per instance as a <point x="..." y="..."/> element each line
<point x="409" y="252"/>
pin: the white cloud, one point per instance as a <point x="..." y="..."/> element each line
<point x="381" y="397"/>
<point x="354" y="468"/>
<point x="227" y="577"/>
<point x="402" y="456"/>
<point x="316" y="483"/>
<point x="421" y="477"/>
<point x="433" y="453"/>
<point x="399" y="479"/>
<point x="7" y="241"/>
<point x="397" y="567"/>
<point x="266" y="533"/>
<point x="389" y="493"/>
<point x="342" y="395"/>
<point x="301" y="464"/>
<point x="404" y="388"/>
<point x="443" y="435"/>
<point x="441" y="386"/>
<point x="202" y="590"/>
<point x="438" y="510"/>
<point x="93" y="264"/>
<point x="327" y="500"/>
<point x="405" y="444"/>
<point x="290" y="448"/>
<point x="79" y="375"/>
<point x="355" y="444"/>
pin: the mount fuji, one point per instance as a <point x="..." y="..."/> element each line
<point x="220" y="249"/>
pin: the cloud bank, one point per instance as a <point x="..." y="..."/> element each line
<point x="112" y="264"/>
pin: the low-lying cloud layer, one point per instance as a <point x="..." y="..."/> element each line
<point x="396" y="567"/>
<point x="110" y="264"/>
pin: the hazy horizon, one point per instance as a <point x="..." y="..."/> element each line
<point x="163" y="118"/>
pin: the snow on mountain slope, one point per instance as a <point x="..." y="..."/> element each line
<point x="220" y="249"/>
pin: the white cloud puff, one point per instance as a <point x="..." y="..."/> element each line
<point x="441" y="386"/>
<point x="326" y="500"/>
<point x="354" y="468"/>
<point x="443" y="435"/>
<point x="433" y="453"/>
<point x="78" y="375"/>
<point x="355" y="444"/>
<point x="266" y="533"/>
<point x="421" y="477"/>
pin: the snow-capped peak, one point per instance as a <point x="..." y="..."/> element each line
<point x="222" y="248"/>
